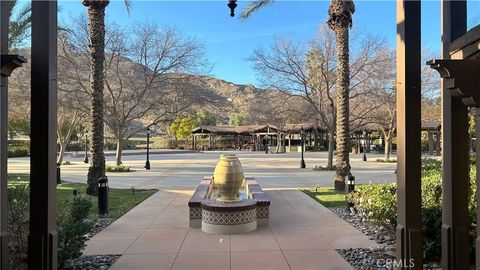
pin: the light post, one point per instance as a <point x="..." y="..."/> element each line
<point x="85" y="160"/>
<point x="302" y="137"/>
<point x="147" y="163"/>
<point x="364" y="145"/>
<point x="232" y="4"/>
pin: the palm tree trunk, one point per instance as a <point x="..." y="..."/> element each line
<point x="96" y="15"/>
<point x="342" y="95"/>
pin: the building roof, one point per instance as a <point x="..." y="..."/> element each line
<point x="291" y="128"/>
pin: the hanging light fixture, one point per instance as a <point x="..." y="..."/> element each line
<point x="232" y="4"/>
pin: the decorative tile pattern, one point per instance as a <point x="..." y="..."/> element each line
<point x="195" y="213"/>
<point x="219" y="213"/>
<point x="229" y="218"/>
<point x="262" y="212"/>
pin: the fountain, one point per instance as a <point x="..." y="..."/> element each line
<point x="228" y="202"/>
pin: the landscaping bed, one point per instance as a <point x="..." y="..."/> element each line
<point x="77" y="221"/>
<point x="375" y="214"/>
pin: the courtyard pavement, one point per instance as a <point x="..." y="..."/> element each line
<point x="302" y="233"/>
<point x="155" y="235"/>
<point x="185" y="170"/>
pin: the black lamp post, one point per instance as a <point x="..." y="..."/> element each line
<point x="302" y="137"/>
<point x="147" y="163"/>
<point x="364" y="145"/>
<point x="85" y="160"/>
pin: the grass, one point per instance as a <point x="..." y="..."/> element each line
<point x="120" y="201"/>
<point x="326" y="196"/>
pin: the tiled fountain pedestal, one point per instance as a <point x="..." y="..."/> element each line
<point x="228" y="218"/>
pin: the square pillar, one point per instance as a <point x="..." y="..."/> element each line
<point x="430" y="143"/>
<point x="3" y="138"/>
<point x="408" y="231"/>
<point x="455" y="154"/>
<point x="42" y="240"/>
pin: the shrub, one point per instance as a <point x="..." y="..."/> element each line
<point x="117" y="168"/>
<point x="18" y="219"/>
<point x="18" y="151"/>
<point x="72" y="228"/>
<point x="386" y="160"/>
<point x="378" y="203"/>
<point x="71" y="221"/>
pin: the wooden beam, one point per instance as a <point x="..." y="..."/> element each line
<point x="454" y="247"/>
<point x="42" y="240"/>
<point x="409" y="236"/>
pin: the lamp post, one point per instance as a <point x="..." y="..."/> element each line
<point x="364" y="145"/>
<point x="302" y="137"/>
<point x="232" y="4"/>
<point x="147" y="163"/>
<point x="85" y="160"/>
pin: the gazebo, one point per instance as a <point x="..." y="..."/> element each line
<point x="256" y="135"/>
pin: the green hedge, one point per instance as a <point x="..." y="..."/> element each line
<point x="18" y="151"/>
<point x="378" y="203"/>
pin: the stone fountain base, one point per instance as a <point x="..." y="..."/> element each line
<point x="229" y="218"/>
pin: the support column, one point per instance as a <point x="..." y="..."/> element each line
<point x="454" y="151"/>
<point x="193" y="142"/>
<point x="408" y="231"/>
<point x="42" y="240"/>
<point x="437" y="143"/>
<point x="359" y="147"/>
<point x="3" y="138"/>
<point x="368" y="142"/>
<point x="430" y="143"/>
<point x="290" y="142"/>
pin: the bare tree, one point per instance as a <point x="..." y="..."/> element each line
<point x="138" y="81"/>
<point x="144" y="79"/>
<point x="308" y="71"/>
<point x="277" y="108"/>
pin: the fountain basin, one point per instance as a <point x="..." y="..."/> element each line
<point x="219" y="217"/>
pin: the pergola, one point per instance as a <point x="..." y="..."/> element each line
<point x="459" y="69"/>
<point x="254" y="134"/>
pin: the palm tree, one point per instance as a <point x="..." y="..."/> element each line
<point x="340" y="20"/>
<point x="96" y="25"/>
<point x="18" y="25"/>
<point x="254" y="6"/>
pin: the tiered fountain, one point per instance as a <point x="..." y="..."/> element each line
<point x="228" y="202"/>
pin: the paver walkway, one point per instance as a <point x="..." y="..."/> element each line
<point x="155" y="235"/>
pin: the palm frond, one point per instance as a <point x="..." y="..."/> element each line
<point x="128" y="6"/>
<point x="253" y="7"/>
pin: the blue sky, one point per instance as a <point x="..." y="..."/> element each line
<point x="230" y="42"/>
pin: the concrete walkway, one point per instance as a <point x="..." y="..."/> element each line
<point x="184" y="171"/>
<point x="155" y="235"/>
